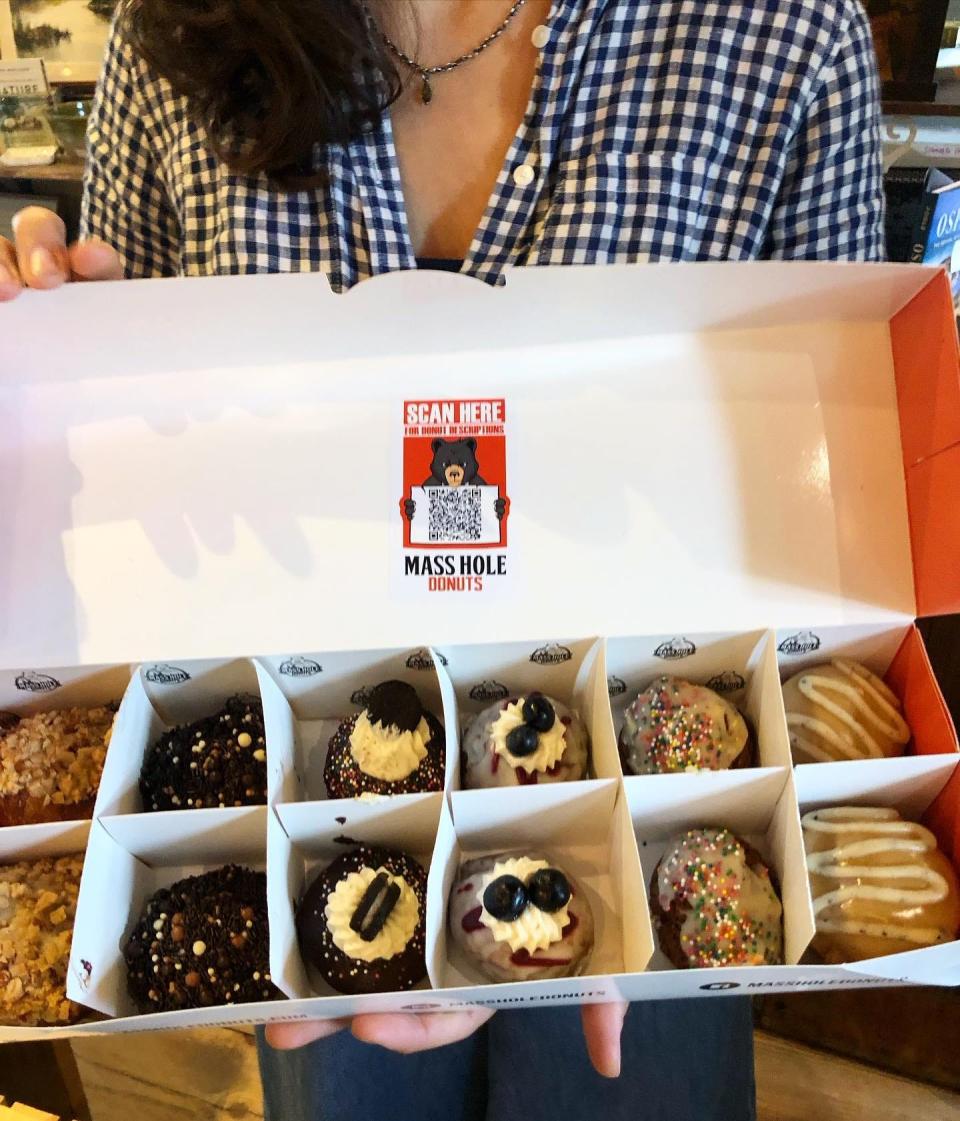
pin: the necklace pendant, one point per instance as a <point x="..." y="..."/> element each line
<point x="426" y="91"/>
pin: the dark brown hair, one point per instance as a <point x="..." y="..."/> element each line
<point x="269" y="79"/>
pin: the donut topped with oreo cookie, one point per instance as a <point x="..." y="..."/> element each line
<point x="218" y="761"/>
<point x="394" y="746"/>
<point x="362" y="922"/>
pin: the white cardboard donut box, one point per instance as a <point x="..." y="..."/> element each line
<point x="727" y="472"/>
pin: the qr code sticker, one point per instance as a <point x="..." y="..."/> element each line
<point x="455" y="514"/>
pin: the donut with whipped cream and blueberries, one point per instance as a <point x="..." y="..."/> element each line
<point x="675" y="725"/>
<point x="880" y="884"/>
<point x="521" y="917"/>
<point x="362" y="922"/>
<point x="393" y="746"/>
<point x="523" y="741"/>
<point x="714" y="902"/>
<point x="840" y="710"/>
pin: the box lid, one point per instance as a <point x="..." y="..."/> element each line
<point x="212" y="466"/>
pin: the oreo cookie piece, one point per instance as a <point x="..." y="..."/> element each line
<point x="218" y="761"/>
<point x="204" y="941"/>
<point x="394" y="746"/>
<point x="361" y="923"/>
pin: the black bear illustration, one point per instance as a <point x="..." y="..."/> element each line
<point x="454" y="465"/>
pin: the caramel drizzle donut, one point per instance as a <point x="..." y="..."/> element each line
<point x="887" y="720"/>
<point x="889" y="834"/>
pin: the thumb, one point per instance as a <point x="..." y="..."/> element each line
<point x="93" y="259"/>
<point x="602" y="1025"/>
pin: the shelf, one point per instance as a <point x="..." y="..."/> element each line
<point x="65" y="170"/>
<point x="919" y="109"/>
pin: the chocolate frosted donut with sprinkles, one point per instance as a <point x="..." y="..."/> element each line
<point x="521" y="917"/>
<point x="202" y="942"/>
<point x="362" y="922"/>
<point x="394" y="746"/>
<point x="675" y="725"/>
<point x="218" y="761"/>
<point x="840" y="710"/>
<point x="523" y="741"/>
<point x="714" y="902"/>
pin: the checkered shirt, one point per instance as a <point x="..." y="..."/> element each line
<point x="677" y="130"/>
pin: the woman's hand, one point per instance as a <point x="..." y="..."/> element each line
<point x="412" y="1031"/>
<point x="40" y="258"/>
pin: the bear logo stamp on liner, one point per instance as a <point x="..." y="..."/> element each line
<point x="488" y="690"/>
<point x="616" y="686"/>
<point x="164" y="674"/>
<point x="727" y="682"/>
<point x="552" y="654"/>
<point x="422" y="660"/>
<point x="673" y="648"/>
<point x="298" y="666"/>
<point x="803" y="642"/>
<point x="30" y="681"/>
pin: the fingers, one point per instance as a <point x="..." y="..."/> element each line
<point x="602" y="1024"/>
<point x="287" y="1037"/>
<point x="94" y="260"/>
<point x="10" y="283"/>
<point x="41" y="244"/>
<point x="407" y="1032"/>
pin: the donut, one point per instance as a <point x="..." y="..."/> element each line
<point x="880" y="885"/>
<point x="38" y="904"/>
<point x="394" y="746"/>
<point x="362" y="922"/>
<point x="51" y="763"/>
<point x="220" y="760"/>
<point x="524" y="741"/>
<point x="675" y="725"/>
<point x="714" y="902"/>
<point x="521" y="917"/>
<point x="201" y="942"/>
<point x="840" y="710"/>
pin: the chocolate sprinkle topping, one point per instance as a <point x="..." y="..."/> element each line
<point x="218" y="761"/>
<point x="203" y="941"/>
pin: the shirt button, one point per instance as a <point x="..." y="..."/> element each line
<point x="540" y="36"/>
<point x="524" y="175"/>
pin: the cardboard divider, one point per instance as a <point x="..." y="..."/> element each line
<point x="306" y="842"/>
<point x="571" y="671"/>
<point x="912" y="794"/>
<point x="160" y="696"/>
<point x="760" y="807"/>
<point x="26" y="692"/>
<point x="897" y="654"/>
<point x="579" y="826"/>
<point x="311" y="694"/>
<point x="740" y="667"/>
<point x="119" y="878"/>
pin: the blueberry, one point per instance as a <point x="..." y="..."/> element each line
<point x="538" y="712"/>
<point x="549" y="889"/>
<point x="505" y="898"/>
<point x="522" y="741"/>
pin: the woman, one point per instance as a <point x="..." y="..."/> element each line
<point x="355" y="138"/>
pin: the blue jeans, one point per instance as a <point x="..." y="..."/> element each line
<point x="683" y="1060"/>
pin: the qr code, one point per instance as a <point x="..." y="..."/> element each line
<point x="455" y="514"/>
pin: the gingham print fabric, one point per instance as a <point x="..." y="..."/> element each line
<point x="676" y="130"/>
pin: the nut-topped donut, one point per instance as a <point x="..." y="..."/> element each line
<point x="394" y="746"/>
<point x="523" y="741"/>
